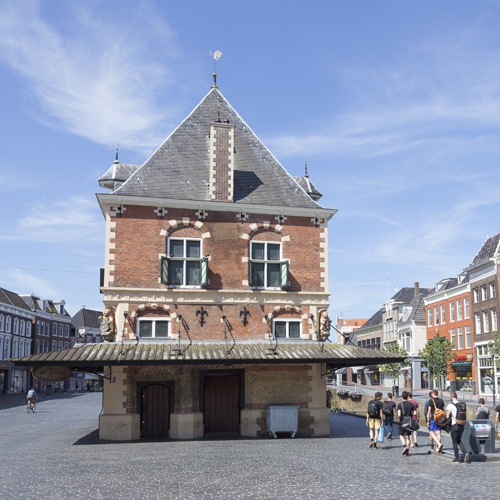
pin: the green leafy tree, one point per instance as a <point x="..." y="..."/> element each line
<point x="438" y="354"/>
<point x="494" y="346"/>
<point x="394" y="369"/>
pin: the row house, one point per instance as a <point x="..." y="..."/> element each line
<point x="402" y="320"/>
<point x="448" y="313"/>
<point x="215" y="289"/>
<point x="16" y="328"/>
<point x="483" y="278"/>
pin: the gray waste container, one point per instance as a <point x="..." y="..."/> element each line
<point x="48" y="390"/>
<point x="282" y="418"/>
<point x="479" y="437"/>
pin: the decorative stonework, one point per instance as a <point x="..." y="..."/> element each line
<point x="186" y="222"/>
<point x="160" y="211"/>
<point x="263" y="226"/>
<point x="142" y="307"/>
<point x="116" y="210"/>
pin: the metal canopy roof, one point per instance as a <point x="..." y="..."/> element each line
<point x="113" y="354"/>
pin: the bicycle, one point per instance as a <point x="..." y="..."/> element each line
<point x="31" y="407"/>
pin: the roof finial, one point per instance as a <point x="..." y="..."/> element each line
<point x="305" y="166"/>
<point x="216" y="56"/>
<point x="116" y="154"/>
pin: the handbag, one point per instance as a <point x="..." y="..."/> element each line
<point x="381" y="434"/>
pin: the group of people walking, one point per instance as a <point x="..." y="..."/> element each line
<point x="452" y="418"/>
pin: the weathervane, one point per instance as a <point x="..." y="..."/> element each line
<point x="216" y="55"/>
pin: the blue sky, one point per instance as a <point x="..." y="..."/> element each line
<point x="395" y="105"/>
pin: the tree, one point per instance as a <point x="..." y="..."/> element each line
<point x="394" y="369"/>
<point x="438" y="354"/>
<point x="494" y="346"/>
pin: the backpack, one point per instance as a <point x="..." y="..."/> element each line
<point x="483" y="414"/>
<point x="461" y="418"/>
<point x="374" y="409"/>
<point x="387" y="410"/>
<point x="439" y="414"/>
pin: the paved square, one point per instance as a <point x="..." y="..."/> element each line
<point x="55" y="454"/>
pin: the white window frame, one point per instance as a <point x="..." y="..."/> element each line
<point x="8" y="324"/>
<point x="61" y="330"/>
<point x="494" y="320"/>
<point x="54" y="345"/>
<point x="6" y="348"/>
<point x="28" y="328"/>
<point x="453" y="338"/>
<point x="287" y="322"/>
<point x="460" y="337"/>
<point x="266" y="262"/>
<point x="1" y="347"/>
<point x="452" y="311"/>
<point x="475" y="295"/>
<point x="493" y="290"/>
<point x="16" y="326"/>
<point x="154" y="320"/>
<point x="466" y="308"/>
<point x="467" y="337"/>
<point x="486" y="321"/>
<point x="15" y="348"/>
<point x="436" y="315"/>
<point x="443" y="314"/>
<point x="184" y="259"/>
<point x="66" y="331"/>
<point x="429" y="316"/>
<point x="484" y="292"/>
<point x="459" y="310"/>
<point x="477" y="323"/>
<point x="22" y="328"/>
<point x="2" y="322"/>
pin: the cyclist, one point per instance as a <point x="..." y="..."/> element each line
<point x="32" y="396"/>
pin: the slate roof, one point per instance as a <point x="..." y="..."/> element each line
<point x="489" y="249"/>
<point x="12" y="299"/>
<point x="179" y="168"/>
<point x="308" y="187"/>
<point x="117" y="174"/>
<point x="418" y="309"/>
<point x="112" y="354"/>
<point x="407" y="294"/>
<point x="86" y="318"/>
<point x="375" y="320"/>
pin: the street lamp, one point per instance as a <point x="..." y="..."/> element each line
<point x="494" y="378"/>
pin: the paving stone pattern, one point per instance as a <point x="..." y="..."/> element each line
<point x="55" y="454"/>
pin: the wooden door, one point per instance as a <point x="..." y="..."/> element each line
<point x="155" y="411"/>
<point x="221" y="410"/>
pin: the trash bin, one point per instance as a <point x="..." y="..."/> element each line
<point x="479" y="437"/>
<point x="282" y="418"/>
<point x="48" y="390"/>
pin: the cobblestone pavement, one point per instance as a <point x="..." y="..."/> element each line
<point x="55" y="454"/>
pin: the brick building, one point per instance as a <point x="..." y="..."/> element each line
<point x="216" y="289"/>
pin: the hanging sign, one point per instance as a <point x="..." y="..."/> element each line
<point x="52" y="373"/>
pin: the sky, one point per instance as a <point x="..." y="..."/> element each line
<point x="395" y="105"/>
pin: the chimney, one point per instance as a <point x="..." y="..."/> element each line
<point x="416" y="288"/>
<point x="221" y="161"/>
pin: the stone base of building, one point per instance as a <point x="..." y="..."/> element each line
<point x="186" y="425"/>
<point x="250" y="426"/>
<point x="120" y="427"/>
<point x="320" y="425"/>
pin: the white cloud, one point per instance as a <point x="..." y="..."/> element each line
<point x="74" y="221"/>
<point x="96" y="80"/>
<point x="23" y="283"/>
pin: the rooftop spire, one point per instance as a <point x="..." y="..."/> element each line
<point x="116" y="154"/>
<point x="305" y="166"/>
<point x="216" y="55"/>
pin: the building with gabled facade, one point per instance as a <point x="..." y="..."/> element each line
<point x="448" y="314"/>
<point x="483" y="278"/>
<point x="215" y="288"/>
<point x="16" y="322"/>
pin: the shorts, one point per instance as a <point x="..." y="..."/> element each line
<point x="434" y="426"/>
<point x="374" y="423"/>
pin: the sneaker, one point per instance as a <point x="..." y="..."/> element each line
<point x="466" y="458"/>
<point x="389" y="436"/>
<point x="416" y="444"/>
<point x="372" y="444"/>
<point x="456" y="460"/>
<point x="439" y="448"/>
<point x="375" y="446"/>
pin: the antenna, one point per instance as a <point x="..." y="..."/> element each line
<point x="116" y="154"/>
<point x="305" y="166"/>
<point x="216" y="55"/>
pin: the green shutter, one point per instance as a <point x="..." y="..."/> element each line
<point x="250" y="282"/>
<point x="164" y="270"/>
<point x="284" y="282"/>
<point x="204" y="272"/>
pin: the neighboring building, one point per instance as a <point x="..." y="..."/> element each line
<point x="448" y="314"/>
<point x="87" y="327"/>
<point x="16" y="321"/>
<point x="215" y="286"/>
<point x="483" y="277"/>
<point x="51" y="328"/>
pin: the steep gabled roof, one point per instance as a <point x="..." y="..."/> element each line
<point x="179" y="168"/>
<point x="86" y="318"/>
<point x="489" y="249"/>
<point x="12" y="299"/>
<point x="375" y="320"/>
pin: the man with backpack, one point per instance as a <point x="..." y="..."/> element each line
<point x="374" y="418"/>
<point x="388" y="407"/>
<point x="482" y="413"/>
<point x="457" y="410"/>
<point x="435" y="412"/>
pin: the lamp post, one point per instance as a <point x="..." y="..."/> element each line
<point x="494" y="379"/>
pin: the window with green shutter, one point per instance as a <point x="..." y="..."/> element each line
<point x="184" y="265"/>
<point x="265" y="268"/>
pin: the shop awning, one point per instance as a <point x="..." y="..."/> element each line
<point x="206" y="353"/>
<point x="461" y="363"/>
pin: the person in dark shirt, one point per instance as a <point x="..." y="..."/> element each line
<point x="374" y="422"/>
<point x="434" y="428"/>
<point x="482" y="413"/>
<point x="497" y="418"/>
<point x="416" y="417"/>
<point x="405" y="409"/>
<point x="389" y="416"/>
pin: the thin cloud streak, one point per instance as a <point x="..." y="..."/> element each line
<point x="102" y="91"/>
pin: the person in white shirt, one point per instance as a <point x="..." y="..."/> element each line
<point x="456" y="430"/>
